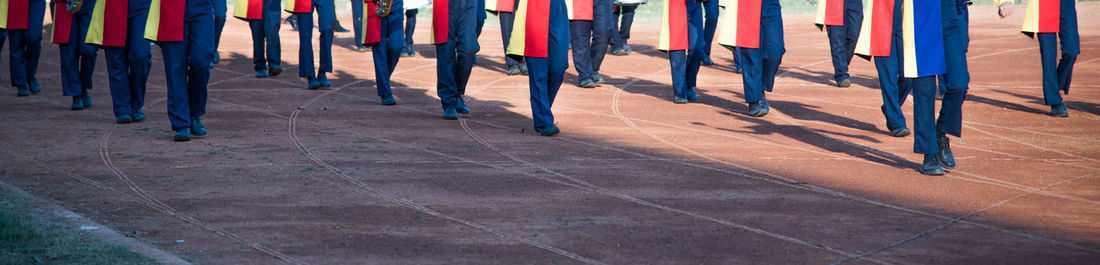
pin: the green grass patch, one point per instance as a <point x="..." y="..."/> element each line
<point x="31" y="236"/>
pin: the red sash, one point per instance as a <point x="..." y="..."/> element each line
<point x="62" y="23"/>
<point x="440" y="21"/>
<point x="372" y="25"/>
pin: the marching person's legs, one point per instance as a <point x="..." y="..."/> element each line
<point x="305" y="49"/>
<point x="924" y="123"/>
<point x="259" y="43"/>
<point x="199" y="47"/>
<point x="710" y="26"/>
<point x="696" y="50"/>
<point x="357" y="23"/>
<point x="955" y="82"/>
<point x="326" y="15"/>
<point x="410" y="28"/>
<point x="601" y="31"/>
<point x="271" y="24"/>
<point x="387" y="52"/>
<point x="220" y="8"/>
<point x="581" y="37"/>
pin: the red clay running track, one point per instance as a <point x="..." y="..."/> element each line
<point x="294" y="176"/>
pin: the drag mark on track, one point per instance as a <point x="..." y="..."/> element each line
<point x="825" y="190"/>
<point x="105" y="156"/>
<point x="797" y="185"/>
<point x="608" y="192"/>
<point x="292" y="130"/>
<point x="955" y="220"/>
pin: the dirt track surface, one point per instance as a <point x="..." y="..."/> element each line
<point x="289" y="175"/>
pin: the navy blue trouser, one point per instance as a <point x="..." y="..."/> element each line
<point x="481" y="16"/>
<point x="387" y="52"/>
<point x="410" y="26"/>
<point x="893" y="86"/>
<point x="220" y="9"/>
<point x="685" y="64"/>
<point x="78" y="58"/>
<point x="455" y="58"/>
<point x="187" y="64"/>
<point x="620" y="29"/>
<point x="266" y="49"/>
<point x="710" y="23"/>
<point x="326" y="15"/>
<point x="759" y="66"/>
<point x="128" y="66"/>
<point x="357" y="21"/>
<point x="3" y="39"/>
<point x="545" y="74"/>
<point x="506" y="20"/>
<point x="842" y="39"/>
<point x="1057" y="73"/>
<point x="956" y="81"/>
<point x="26" y="47"/>
<point x="589" y="39"/>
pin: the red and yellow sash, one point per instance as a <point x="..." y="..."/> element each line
<point x="500" y="5"/>
<point x="62" y="23"/>
<point x="165" y="20"/>
<point x="829" y="13"/>
<point x="1042" y="17"/>
<point x="13" y="14"/>
<point x="877" y="28"/>
<point x="249" y="9"/>
<point x="372" y="25"/>
<point x="298" y="6"/>
<point x="531" y="29"/>
<point x="441" y="21"/>
<point x="674" y="26"/>
<point x="922" y="35"/>
<point x="579" y="9"/>
<point x="741" y="25"/>
<point x="108" y="24"/>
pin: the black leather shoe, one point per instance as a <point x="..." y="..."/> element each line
<point x="931" y="166"/>
<point x="124" y="119"/>
<point x="548" y="130"/>
<point x="313" y="84"/>
<point x="900" y="132"/>
<point x="337" y="27"/>
<point x="513" y="70"/>
<point x="34" y="86"/>
<point x="182" y="135"/>
<point x="946" y="158"/>
<point x="759" y="108"/>
<point x="78" y="103"/>
<point x="292" y="20"/>
<point x="462" y="108"/>
<point x="449" y="113"/>
<point x="323" y="79"/>
<point x="707" y="60"/>
<point x="1059" y="110"/>
<point x="844" y="83"/>
<point x="587" y="84"/>
<point x="274" y="71"/>
<point x="197" y="128"/>
<point x="389" y="101"/>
